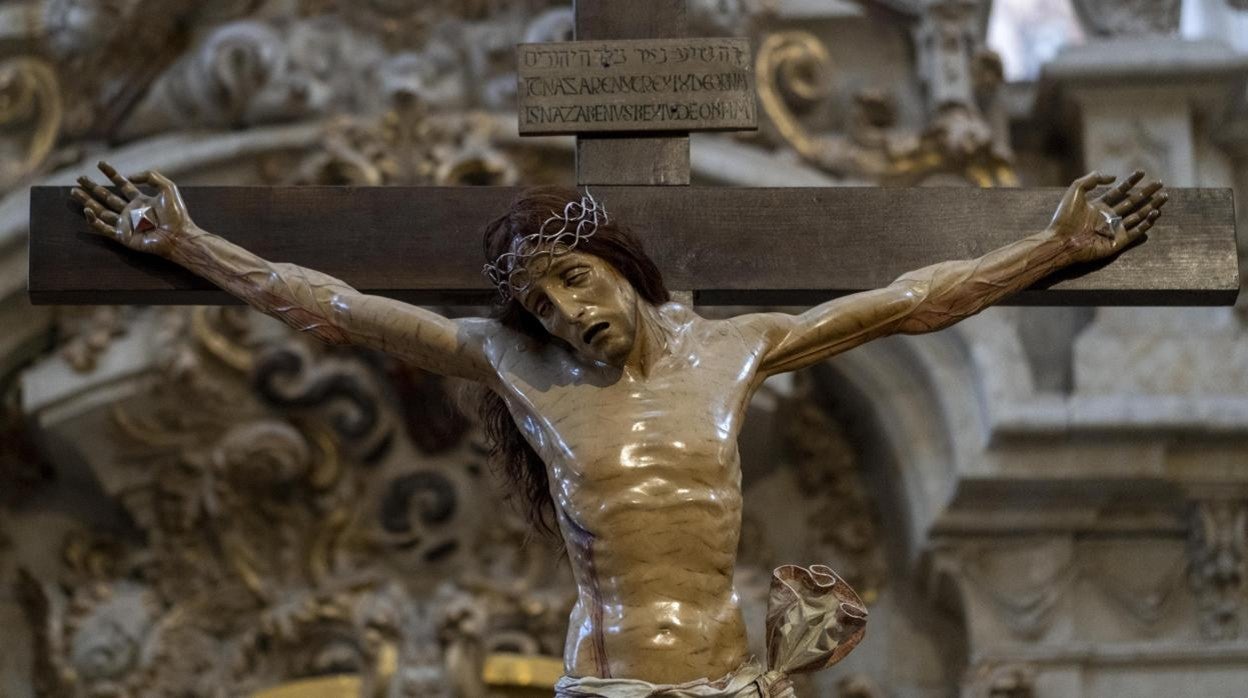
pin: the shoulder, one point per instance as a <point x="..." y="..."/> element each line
<point x="509" y="350"/>
<point x="493" y="337"/>
<point x="751" y="332"/>
<point x="685" y="323"/>
<point x="763" y="329"/>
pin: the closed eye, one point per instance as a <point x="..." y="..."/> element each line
<point x="542" y="307"/>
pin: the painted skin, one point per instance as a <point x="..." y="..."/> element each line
<point x="637" y="411"/>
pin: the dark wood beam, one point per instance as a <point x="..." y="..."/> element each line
<point x="734" y="246"/>
<point x="635" y="158"/>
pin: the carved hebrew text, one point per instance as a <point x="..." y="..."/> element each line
<point x="641" y="85"/>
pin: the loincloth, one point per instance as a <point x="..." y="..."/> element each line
<point x="814" y="619"/>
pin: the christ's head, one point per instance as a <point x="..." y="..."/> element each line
<point x="587" y="296"/>
<point x="603" y="279"/>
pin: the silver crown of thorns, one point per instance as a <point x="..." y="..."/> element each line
<point x="530" y="256"/>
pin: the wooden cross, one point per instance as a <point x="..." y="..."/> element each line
<point x="739" y="246"/>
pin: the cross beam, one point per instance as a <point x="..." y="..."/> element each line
<point x="727" y="246"/>
<point x="734" y="246"/>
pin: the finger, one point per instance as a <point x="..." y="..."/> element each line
<point x="110" y="199"/>
<point x="1145" y="211"/>
<point x="127" y="188"/>
<point x="107" y="216"/>
<point x="1134" y="201"/>
<point x="1148" y="223"/>
<point x="88" y="203"/>
<point x="100" y="226"/>
<point x="1092" y="180"/>
<point x="1119" y="192"/>
<point x="155" y="179"/>
<point x="1138" y="231"/>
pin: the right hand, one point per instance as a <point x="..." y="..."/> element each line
<point x="1103" y="225"/>
<point x="138" y="221"/>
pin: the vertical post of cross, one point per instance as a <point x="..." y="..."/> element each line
<point x="634" y="158"/>
<point x="659" y="158"/>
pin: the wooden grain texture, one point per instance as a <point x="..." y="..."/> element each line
<point x="793" y="246"/>
<point x="640" y="158"/>
<point x="675" y="84"/>
<point x="603" y="160"/>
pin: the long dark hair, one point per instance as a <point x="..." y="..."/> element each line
<point x="615" y="244"/>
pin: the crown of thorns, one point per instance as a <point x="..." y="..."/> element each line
<point x="531" y="256"/>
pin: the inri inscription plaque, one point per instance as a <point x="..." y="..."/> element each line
<point x="636" y="85"/>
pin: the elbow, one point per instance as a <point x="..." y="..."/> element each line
<point x="329" y="317"/>
<point x="912" y="287"/>
<point x="915" y="314"/>
<point x="911" y="293"/>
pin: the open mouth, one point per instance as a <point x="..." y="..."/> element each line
<point x="593" y="331"/>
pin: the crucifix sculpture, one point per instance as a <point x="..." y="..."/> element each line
<point x="616" y="410"/>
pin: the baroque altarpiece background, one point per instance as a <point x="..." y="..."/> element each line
<point x="196" y="501"/>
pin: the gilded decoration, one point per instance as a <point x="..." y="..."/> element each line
<point x="965" y="130"/>
<point x="30" y="104"/>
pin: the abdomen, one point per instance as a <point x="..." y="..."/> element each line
<point x="653" y="549"/>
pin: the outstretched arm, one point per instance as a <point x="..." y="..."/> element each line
<point x="1083" y="229"/>
<point x="302" y="298"/>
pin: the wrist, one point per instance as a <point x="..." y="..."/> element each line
<point x="1067" y="248"/>
<point x="178" y="241"/>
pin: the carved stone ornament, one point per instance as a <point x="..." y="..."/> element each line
<point x="30" y="106"/>
<point x="290" y="529"/>
<point x="136" y="68"/>
<point x="1217" y="569"/>
<point x="89" y="333"/>
<point x="1143" y="582"/>
<point x="842" y="517"/>
<point x="965" y="134"/>
<point x="1004" y="681"/>
<point x="1025" y="604"/>
<point x="1129" y="17"/>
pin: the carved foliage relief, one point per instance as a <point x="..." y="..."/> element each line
<point x="1218" y="565"/>
<point x="285" y="510"/>
<point x="278" y="521"/>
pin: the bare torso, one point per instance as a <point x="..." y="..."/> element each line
<point x="646" y="480"/>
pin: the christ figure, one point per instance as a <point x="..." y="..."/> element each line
<point x="615" y="411"/>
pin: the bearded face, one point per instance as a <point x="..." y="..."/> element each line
<point x="583" y="300"/>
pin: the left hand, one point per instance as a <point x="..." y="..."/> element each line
<point x="147" y="223"/>
<point x="1104" y="225"/>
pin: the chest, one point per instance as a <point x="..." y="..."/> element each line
<point x="688" y="408"/>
